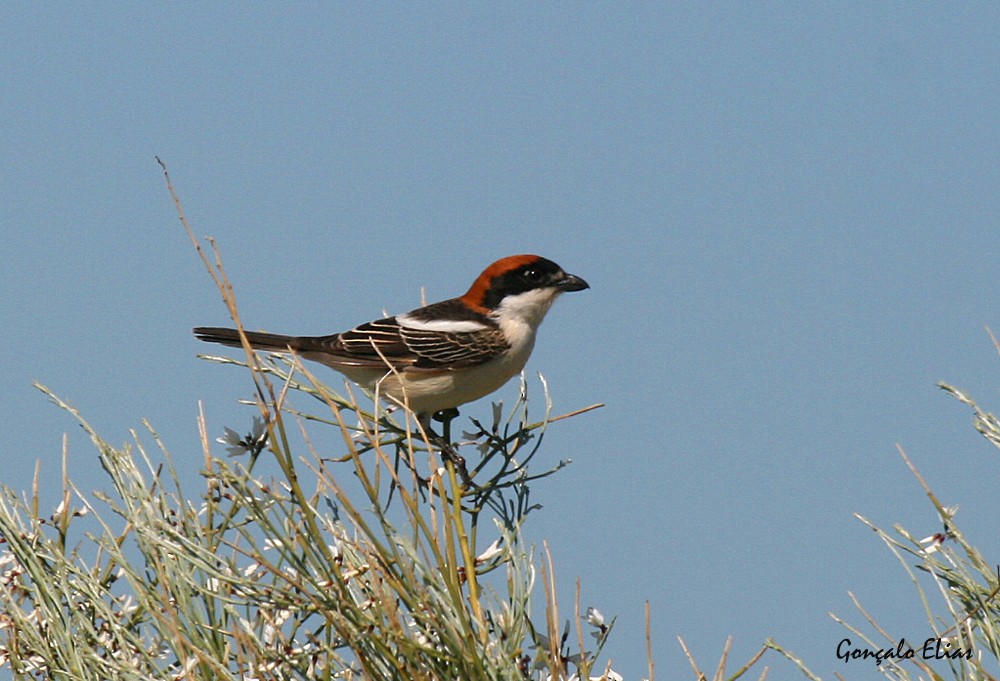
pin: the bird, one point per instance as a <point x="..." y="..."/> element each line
<point x="438" y="357"/>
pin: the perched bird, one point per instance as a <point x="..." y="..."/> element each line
<point x="443" y="355"/>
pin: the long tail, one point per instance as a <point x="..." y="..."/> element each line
<point x="261" y="341"/>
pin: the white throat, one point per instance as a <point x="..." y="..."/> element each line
<point x="520" y="315"/>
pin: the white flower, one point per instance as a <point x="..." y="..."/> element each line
<point x="612" y="675"/>
<point x="241" y="445"/>
<point x="595" y="617"/>
<point x="491" y="552"/>
<point x="359" y="433"/>
<point x="932" y="543"/>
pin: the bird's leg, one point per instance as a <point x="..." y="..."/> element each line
<point x="448" y="450"/>
<point x="445" y="417"/>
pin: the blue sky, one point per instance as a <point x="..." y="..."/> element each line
<point x="787" y="214"/>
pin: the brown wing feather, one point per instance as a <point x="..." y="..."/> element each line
<point x="443" y="350"/>
<point x="378" y="343"/>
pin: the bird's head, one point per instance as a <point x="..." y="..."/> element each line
<point x="521" y="287"/>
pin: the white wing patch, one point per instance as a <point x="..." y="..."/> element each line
<point x="441" y="325"/>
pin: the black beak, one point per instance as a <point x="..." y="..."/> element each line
<point x="571" y="282"/>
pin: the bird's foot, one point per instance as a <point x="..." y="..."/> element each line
<point x="448" y="450"/>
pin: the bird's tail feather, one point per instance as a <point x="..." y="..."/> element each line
<point x="260" y="341"/>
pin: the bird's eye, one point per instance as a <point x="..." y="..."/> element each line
<point x="532" y="276"/>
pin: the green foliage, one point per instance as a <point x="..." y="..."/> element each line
<point x="273" y="581"/>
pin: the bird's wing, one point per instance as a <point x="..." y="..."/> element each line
<point x="408" y="346"/>
<point x="371" y="345"/>
<point x="453" y="349"/>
